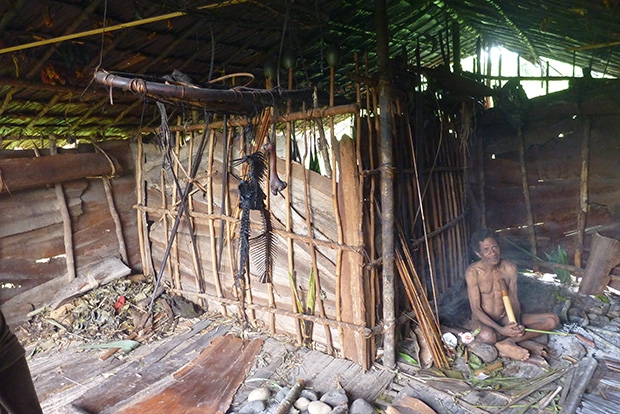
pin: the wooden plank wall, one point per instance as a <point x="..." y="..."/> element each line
<point x="31" y="229"/>
<point x="553" y="136"/>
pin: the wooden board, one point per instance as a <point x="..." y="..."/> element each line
<point x="323" y="373"/>
<point x="138" y="375"/>
<point x="198" y="387"/>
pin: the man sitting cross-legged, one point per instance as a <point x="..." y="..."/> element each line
<point x="486" y="279"/>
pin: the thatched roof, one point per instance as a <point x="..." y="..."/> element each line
<point x="46" y="89"/>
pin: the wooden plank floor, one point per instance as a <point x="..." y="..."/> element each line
<point x="74" y="380"/>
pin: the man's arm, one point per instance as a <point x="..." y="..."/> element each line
<point x="511" y="272"/>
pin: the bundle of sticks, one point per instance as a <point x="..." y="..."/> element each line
<point x="427" y="320"/>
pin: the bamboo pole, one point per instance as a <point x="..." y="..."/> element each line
<point x="145" y="251"/>
<point x="175" y="276"/>
<point x="115" y="27"/>
<point x="424" y="314"/>
<point x="304" y="115"/>
<point x="583" y="189"/>
<point x="165" y="220"/>
<point x="287" y="200"/>
<point x="371" y="96"/>
<point x="66" y="221"/>
<point x="118" y="227"/>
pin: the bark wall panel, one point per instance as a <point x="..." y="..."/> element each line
<point x="31" y="229"/>
<point x="553" y="144"/>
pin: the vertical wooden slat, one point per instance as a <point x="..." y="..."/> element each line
<point x="355" y="346"/>
<point x="190" y="221"/>
<point x="583" y="189"/>
<point x="118" y="228"/>
<point x="213" y="247"/>
<point x="66" y="221"/>
<point x="145" y="250"/>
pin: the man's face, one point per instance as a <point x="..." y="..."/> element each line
<point x="489" y="251"/>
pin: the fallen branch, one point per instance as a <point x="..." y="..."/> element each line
<point x="291" y="397"/>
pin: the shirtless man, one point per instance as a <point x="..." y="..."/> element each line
<point x="484" y="288"/>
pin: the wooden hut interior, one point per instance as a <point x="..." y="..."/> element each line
<point x="244" y="180"/>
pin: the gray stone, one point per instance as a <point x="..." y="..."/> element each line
<point x="302" y="403"/>
<point x="253" y="407"/>
<point x="486" y="352"/>
<point x="335" y="397"/>
<point x="309" y="394"/>
<point x="361" y="406"/>
<point x="319" y="407"/>
<point x="340" y="409"/>
<point x="281" y="395"/>
<point x="259" y="394"/>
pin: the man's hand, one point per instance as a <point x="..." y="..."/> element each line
<point x="513" y="330"/>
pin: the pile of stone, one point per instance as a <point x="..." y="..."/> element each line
<point x="263" y="401"/>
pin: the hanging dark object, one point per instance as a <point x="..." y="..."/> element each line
<point x="252" y="197"/>
<point x="235" y="100"/>
<point x="289" y="60"/>
<point x="332" y="55"/>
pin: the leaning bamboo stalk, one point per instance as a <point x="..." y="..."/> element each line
<point x="422" y="317"/>
<point x="213" y="247"/>
<point x="66" y="221"/>
<point x="422" y="215"/>
<point x="165" y="219"/>
<point x="175" y="277"/>
<point x="118" y="227"/>
<point x="287" y="201"/>
<point x="425" y="315"/>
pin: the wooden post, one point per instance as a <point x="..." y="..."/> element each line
<point x="66" y="221"/>
<point x="122" y="248"/>
<point x="604" y="256"/>
<point x="526" y="192"/>
<point x="387" y="184"/>
<point x="583" y="189"/>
